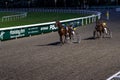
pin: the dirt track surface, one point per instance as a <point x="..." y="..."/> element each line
<point x="42" y="58"/>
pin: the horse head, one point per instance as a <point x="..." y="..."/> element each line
<point x="58" y="24"/>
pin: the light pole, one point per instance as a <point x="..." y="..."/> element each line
<point x="55" y="3"/>
<point x="116" y="2"/>
<point x="84" y="4"/>
<point x="6" y="4"/>
<point x="29" y="3"/>
<point x="78" y="3"/>
<point x="32" y="2"/>
<point x="65" y="3"/>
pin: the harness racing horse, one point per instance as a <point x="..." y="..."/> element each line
<point x="101" y="29"/>
<point x="62" y="31"/>
<point x="98" y="29"/>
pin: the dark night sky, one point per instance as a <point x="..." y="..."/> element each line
<point x="59" y="3"/>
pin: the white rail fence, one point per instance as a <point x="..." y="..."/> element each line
<point x="14" y="17"/>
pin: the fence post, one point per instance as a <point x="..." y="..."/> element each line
<point x="86" y="21"/>
<point x="82" y="22"/>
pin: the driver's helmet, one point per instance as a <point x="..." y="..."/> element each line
<point x="104" y="24"/>
<point x="74" y="28"/>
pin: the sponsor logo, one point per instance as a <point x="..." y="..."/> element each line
<point x="12" y="32"/>
<point x="52" y="27"/>
<point x="44" y="28"/>
<point x="33" y="28"/>
<point x="17" y="33"/>
<point x="2" y="34"/>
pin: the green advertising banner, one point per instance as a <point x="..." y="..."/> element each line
<point x="11" y="34"/>
<point x="27" y="31"/>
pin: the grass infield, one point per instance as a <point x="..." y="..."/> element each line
<point x="37" y="17"/>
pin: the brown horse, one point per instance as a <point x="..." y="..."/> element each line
<point x="101" y="29"/>
<point x="63" y="32"/>
<point x="98" y="29"/>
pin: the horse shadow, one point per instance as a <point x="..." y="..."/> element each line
<point x="89" y="38"/>
<point x="58" y="43"/>
<point x="51" y="44"/>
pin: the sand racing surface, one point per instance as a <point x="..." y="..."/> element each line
<point x="41" y="57"/>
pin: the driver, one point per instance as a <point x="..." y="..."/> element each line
<point x="104" y="24"/>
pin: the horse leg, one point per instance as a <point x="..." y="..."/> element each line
<point x="103" y="34"/>
<point x="70" y="36"/>
<point x="94" y="33"/>
<point x="100" y="34"/>
<point x="61" y="40"/>
<point x="65" y="39"/>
